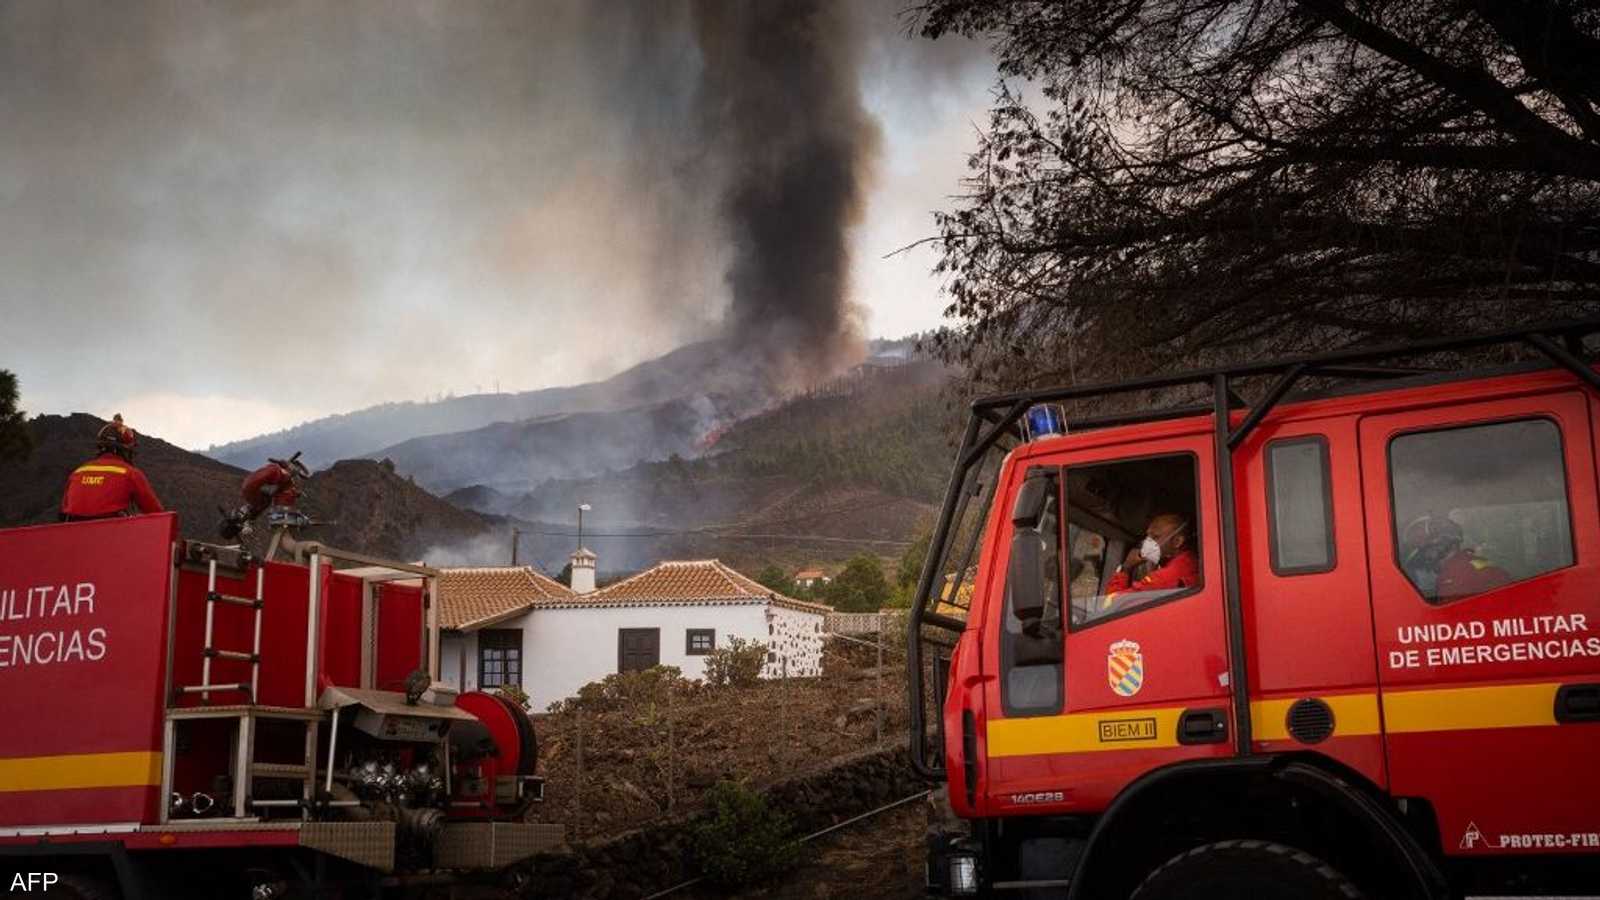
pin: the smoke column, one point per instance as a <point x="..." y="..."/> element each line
<point x="780" y="103"/>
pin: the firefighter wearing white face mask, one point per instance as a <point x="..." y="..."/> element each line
<point x="1162" y="561"/>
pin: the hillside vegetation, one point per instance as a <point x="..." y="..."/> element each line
<point x="884" y="428"/>
<point x="855" y="466"/>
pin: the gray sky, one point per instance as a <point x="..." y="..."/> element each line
<point x="223" y="219"/>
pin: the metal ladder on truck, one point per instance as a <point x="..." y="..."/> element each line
<point x="246" y="771"/>
<point x="213" y="597"/>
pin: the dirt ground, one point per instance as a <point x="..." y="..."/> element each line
<point x="880" y="859"/>
<point x="655" y="753"/>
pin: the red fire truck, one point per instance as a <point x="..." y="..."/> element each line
<point x="1340" y="643"/>
<point x="180" y="719"/>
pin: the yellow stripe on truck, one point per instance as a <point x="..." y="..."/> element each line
<point x="1354" y="715"/>
<point x="80" y="770"/>
<point x="1112" y="729"/>
<point x="1467" y="709"/>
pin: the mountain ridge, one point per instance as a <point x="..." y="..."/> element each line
<point x="718" y="370"/>
<point x="370" y="508"/>
<point x="707" y="367"/>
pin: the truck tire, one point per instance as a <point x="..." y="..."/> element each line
<point x="1246" y="870"/>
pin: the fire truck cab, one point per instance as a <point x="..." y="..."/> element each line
<point x="1331" y="645"/>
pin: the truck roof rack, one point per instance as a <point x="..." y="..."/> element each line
<point x="995" y="418"/>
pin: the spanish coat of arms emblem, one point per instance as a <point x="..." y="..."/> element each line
<point x="1125" y="668"/>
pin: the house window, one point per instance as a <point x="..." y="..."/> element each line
<point x="700" y="641"/>
<point x="499" y="657"/>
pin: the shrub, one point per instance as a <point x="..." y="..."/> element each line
<point x="742" y="840"/>
<point x="774" y="578"/>
<point x="736" y="665"/>
<point x="650" y="685"/>
<point x="515" y="694"/>
<point x="861" y="587"/>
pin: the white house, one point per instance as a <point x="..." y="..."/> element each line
<point x="808" y="578"/>
<point x="516" y="625"/>
<point x="483" y="620"/>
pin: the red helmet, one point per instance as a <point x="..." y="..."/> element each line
<point x="117" y="438"/>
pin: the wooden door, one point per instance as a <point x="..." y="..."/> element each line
<point x="638" y="649"/>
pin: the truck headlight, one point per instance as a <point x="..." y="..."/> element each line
<point x="963" y="874"/>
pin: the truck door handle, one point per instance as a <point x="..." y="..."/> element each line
<point x="1202" y="726"/>
<point x="1578" y="703"/>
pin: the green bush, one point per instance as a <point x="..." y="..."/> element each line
<point x="775" y="579"/>
<point x="736" y="665"/>
<point x="646" y="686"/>
<point x="742" y="841"/>
<point x="861" y="587"/>
<point x="515" y="694"/>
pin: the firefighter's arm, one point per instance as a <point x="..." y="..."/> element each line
<point x="1117" y="582"/>
<point x="1123" y="577"/>
<point x="143" y="495"/>
<point x="1160" y="579"/>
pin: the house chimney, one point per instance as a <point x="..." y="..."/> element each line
<point x="583" y="571"/>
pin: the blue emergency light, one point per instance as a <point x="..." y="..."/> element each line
<point x="1044" y="420"/>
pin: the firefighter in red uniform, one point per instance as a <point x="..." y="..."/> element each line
<point x="275" y="484"/>
<point x="1442" y="568"/>
<point x="104" y="486"/>
<point x="1164" y="556"/>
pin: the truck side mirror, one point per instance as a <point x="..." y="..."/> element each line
<point x="1027" y="579"/>
<point x="1032" y="586"/>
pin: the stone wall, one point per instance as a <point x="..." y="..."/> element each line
<point x="639" y="863"/>
<point x="794" y="643"/>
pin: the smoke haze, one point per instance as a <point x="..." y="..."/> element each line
<point x="781" y="100"/>
<point x="256" y="213"/>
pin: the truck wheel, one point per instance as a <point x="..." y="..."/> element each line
<point x="1246" y="870"/>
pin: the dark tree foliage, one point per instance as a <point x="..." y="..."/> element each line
<point x="774" y="579"/>
<point x="16" y="442"/>
<point x="1180" y="182"/>
<point x="861" y="587"/>
<point x="910" y="570"/>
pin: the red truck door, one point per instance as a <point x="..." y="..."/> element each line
<point x="1143" y="679"/>
<point x="1304" y="585"/>
<point x="1484" y="549"/>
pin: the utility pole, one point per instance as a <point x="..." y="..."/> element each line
<point x="516" y="538"/>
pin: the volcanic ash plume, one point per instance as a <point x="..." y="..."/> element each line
<point x="793" y="146"/>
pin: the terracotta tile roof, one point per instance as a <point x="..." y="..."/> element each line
<point x="704" y="581"/>
<point x="471" y="598"/>
<point x="809" y="573"/>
